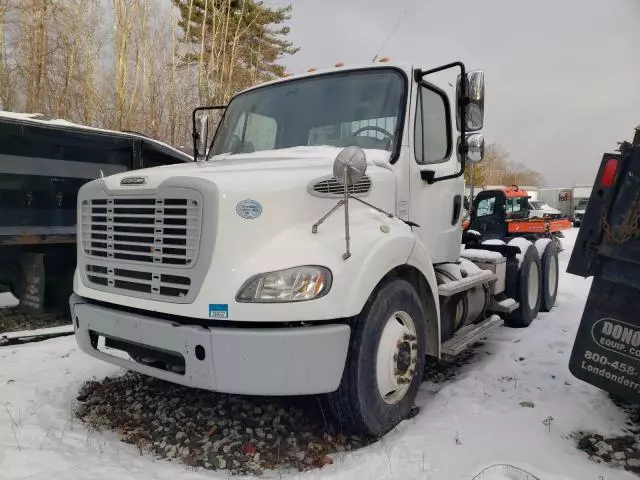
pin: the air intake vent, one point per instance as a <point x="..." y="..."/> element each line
<point x="331" y="188"/>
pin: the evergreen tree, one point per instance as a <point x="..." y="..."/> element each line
<point x="234" y="44"/>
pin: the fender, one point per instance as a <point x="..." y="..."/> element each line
<point x="421" y="261"/>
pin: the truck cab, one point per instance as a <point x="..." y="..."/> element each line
<point x="579" y="211"/>
<point x="539" y="209"/>
<point x="313" y="247"/>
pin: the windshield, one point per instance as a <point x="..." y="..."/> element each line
<point x="538" y="205"/>
<point x="582" y="204"/>
<point x="516" y="206"/>
<point x="347" y="109"/>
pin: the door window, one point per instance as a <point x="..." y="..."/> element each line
<point x="486" y="207"/>
<point x="432" y="133"/>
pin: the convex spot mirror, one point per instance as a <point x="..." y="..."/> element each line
<point x="474" y="111"/>
<point x="475" y="148"/>
<point x="350" y="165"/>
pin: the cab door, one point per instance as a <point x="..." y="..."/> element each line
<point x="489" y="214"/>
<point x="436" y="201"/>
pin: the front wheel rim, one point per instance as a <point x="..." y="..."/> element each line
<point x="397" y="357"/>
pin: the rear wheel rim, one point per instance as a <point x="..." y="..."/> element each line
<point x="552" y="275"/>
<point x="397" y="357"/>
<point x="533" y="286"/>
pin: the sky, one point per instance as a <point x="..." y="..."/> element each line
<point x="562" y="76"/>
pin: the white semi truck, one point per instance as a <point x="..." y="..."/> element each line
<point x="314" y="247"/>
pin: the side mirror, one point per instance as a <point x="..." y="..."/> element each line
<point x="201" y="135"/>
<point x="474" y="109"/>
<point x="475" y="147"/>
<point x="201" y="129"/>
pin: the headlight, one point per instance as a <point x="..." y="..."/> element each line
<point x="291" y="285"/>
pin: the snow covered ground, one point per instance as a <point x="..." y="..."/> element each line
<point x="465" y="425"/>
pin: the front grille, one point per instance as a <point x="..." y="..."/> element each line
<point x="140" y="245"/>
<point x="153" y="284"/>
<point x="331" y="187"/>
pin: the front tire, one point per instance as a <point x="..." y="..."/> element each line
<point x="385" y="362"/>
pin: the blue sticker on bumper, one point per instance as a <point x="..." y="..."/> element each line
<point x="218" y="310"/>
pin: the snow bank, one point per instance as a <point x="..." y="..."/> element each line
<point x="7" y="300"/>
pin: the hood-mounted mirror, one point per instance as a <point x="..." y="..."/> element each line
<point x="349" y="167"/>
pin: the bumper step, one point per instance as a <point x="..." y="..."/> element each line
<point x="508" y="305"/>
<point x="467" y="336"/>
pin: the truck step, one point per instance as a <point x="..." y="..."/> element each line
<point x="451" y="288"/>
<point x="467" y="336"/>
<point x="508" y="305"/>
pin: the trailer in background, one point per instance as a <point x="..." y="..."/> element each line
<point x="558" y="198"/>
<point x="42" y="166"/>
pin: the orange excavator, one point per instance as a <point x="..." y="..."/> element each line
<point x="503" y="213"/>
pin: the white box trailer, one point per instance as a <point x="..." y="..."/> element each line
<point x="558" y="198"/>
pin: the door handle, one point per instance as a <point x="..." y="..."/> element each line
<point x="457" y="207"/>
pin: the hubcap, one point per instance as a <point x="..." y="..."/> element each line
<point x="533" y="286"/>
<point x="397" y="357"/>
<point x="553" y="272"/>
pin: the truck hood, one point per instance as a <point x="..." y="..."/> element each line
<point x="287" y="159"/>
<point x="292" y="185"/>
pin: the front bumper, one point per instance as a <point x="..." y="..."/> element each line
<point x="253" y="361"/>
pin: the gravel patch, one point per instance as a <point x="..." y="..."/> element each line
<point x="442" y="371"/>
<point x="241" y="434"/>
<point x="14" y="319"/>
<point x="622" y="451"/>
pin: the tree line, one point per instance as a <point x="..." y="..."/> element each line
<point x="497" y="168"/>
<point x="138" y="65"/>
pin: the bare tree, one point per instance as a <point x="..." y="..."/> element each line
<point x="497" y="168"/>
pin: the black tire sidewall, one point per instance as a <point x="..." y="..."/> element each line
<point x="548" y="300"/>
<point x="375" y="416"/>
<point x="524" y="315"/>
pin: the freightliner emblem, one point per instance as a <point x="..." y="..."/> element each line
<point x="133" y="181"/>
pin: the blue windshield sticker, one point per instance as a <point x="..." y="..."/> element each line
<point x="218" y="310"/>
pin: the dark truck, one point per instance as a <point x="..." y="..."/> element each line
<point x="606" y="351"/>
<point x="42" y="166"/>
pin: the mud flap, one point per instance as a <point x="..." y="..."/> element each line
<point x="606" y="351"/>
<point x="31" y="291"/>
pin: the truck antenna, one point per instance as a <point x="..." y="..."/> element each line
<point x="393" y="30"/>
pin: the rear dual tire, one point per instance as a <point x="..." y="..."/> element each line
<point x="385" y="362"/>
<point x="550" y="276"/>
<point x="534" y="283"/>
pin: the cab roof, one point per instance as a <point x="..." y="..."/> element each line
<point x="312" y="72"/>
